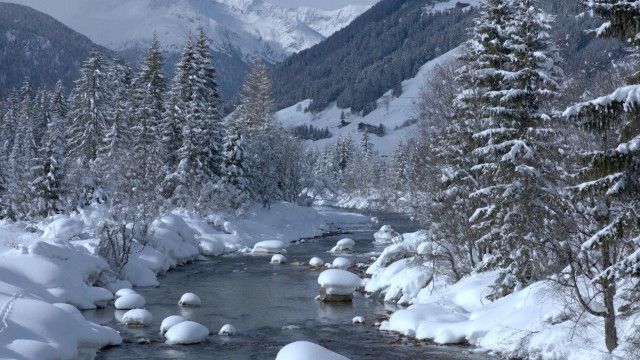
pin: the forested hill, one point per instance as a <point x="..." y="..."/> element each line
<point x="37" y="47"/>
<point x="390" y="42"/>
<point x="382" y="47"/>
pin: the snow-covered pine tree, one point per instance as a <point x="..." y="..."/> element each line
<point x="257" y="106"/>
<point x="48" y="171"/>
<point x="41" y="115"/>
<point x="610" y="188"/>
<point x="87" y="120"/>
<point x="521" y="215"/>
<point x="22" y="156"/>
<point x="206" y="93"/>
<point x="234" y="184"/>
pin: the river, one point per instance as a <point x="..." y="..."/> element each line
<point x="271" y="306"/>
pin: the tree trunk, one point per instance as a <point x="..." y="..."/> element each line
<point x="610" y="331"/>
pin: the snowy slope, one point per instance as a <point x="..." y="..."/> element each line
<point x="254" y="27"/>
<point x="400" y="110"/>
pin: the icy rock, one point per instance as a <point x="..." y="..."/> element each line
<point x="304" y="350"/>
<point x="190" y="300"/>
<point x="358" y="320"/>
<point x="341" y="263"/>
<point x="227" y="330"/>
<point x="338" y="285"/>
<point x="278" y="259"/>
<point x="344" y="245"/>
<point x="316" y="262"/>
<point x="137" y="317"/>
<point x="269" y="247"/>
<point x="129" y="301"/>
<point x="386" y="235"/>
<point x="125" y="291"/>
<point x="168" y="322"/>
<point x="186" y="332"/>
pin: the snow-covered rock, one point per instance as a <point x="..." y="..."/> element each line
<point x="227" y="330"/>
<point x="189" y="300"/>
<point x="269" y="247"/>
<point x="344" y="245"/>
<point x="304" y="350"/>
<point x="129" y="301"/>
<point x="278" y="259"/>
<point x="401" y="281"/>
<point x="316" y="262"/>
<point x="69" y="308"/>
<point x="186" y="332"/>
<point x="169" y="321"/>
<point x="387" y="235"/>
<point x="339" y="282"/>
<point x="125" y="291"/>
<point x="358" y="320"/>
<point x="64" y="228"/>
<point x="137" y="317"/>
<point x="341" y="263"/>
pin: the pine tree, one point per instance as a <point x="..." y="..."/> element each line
<point x="521" y="213"/>
<point x="88" y="119"/>
<point x="256" y="109"/>
<point x="610" y="187"/>
<point x="234" y="183"/>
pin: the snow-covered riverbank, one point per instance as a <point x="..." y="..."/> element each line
<point x="537" y="322"/>
<point x="46" y="266"/>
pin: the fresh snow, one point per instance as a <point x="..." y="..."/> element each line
<point x="186" y="332"/>
<point x="304" y="350"/>
<point x="339" y="282"/>
<point x="316" y="262"/>
<point x="386" y="235"/>
<point x="189" y="300"/>
<point x="341" y="263"/>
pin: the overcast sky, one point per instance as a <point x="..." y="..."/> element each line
<point x="323" y="4"/>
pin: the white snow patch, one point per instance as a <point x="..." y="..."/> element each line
<point x="304" y="350"/>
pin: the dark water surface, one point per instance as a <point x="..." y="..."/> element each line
<point x="271" y="306"/>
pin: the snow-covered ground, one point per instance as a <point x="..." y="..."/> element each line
<point x="47" y="267"/>
<point x="533" y="323"/>
<point x="392" y="112"/>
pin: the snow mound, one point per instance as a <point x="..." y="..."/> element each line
<point x="169" y="321"/>
<point x="316" y="262"/>
<point x="358" y="320"/>
<point x="401" y="281"/>
<point x="186" y="332"/>
<point x="227" y="330"/>
<point x="269" y="247"/>
<point x="190" y="300"/>
<point x="63" y="228"/>
<point x="125" y="291"/>
<point x="129" y="301"/>
<point x="341" y="263"/>
<point x="386" y="235"/>
<point x="344" y="245"/>
<point x="137" y="317"/>
<point x="69" y="308"/>
<point x="339" y="282"/>
<point x="278" y="259"/>
<point x="304" y="350"/>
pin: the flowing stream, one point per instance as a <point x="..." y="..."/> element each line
<point x="271" y="306"/>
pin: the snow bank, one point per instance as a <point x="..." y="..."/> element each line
<point x="169" y="321"/>
<point x="278" y="259"/>
<point x="227" y="330"/>
<point x="186" y="332"/>
<point x="137" y="317"/>
<point x="269" y="247"/>
<point x="344" y="245"/>
<point x="339" y="282"/>
<point x="190" y="300"/>
<point x="304" y="350"/>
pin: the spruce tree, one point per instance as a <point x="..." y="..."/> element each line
<point x="234" y="183"/>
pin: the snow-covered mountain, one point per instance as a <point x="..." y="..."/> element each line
<point x="246" y="27"/>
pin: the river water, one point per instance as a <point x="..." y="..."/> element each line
<point x="271" y="306"/>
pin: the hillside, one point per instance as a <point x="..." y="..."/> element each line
<point x="32" y="42"/>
